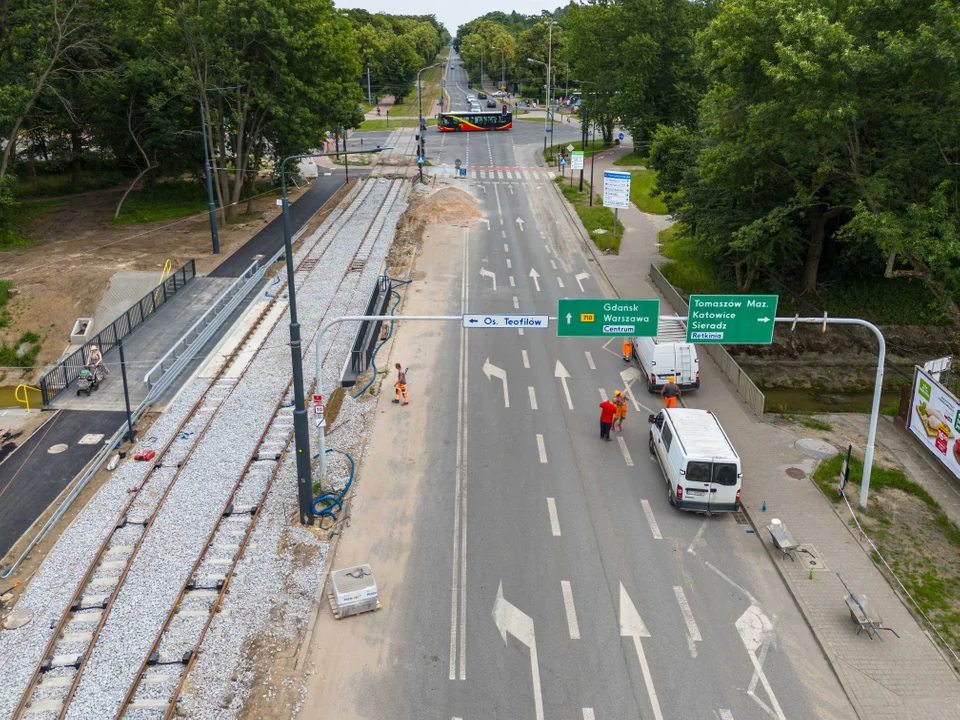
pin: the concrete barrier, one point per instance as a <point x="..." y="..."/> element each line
<point x="750" y="393"/>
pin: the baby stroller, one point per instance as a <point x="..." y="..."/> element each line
<point x="89" y="380"/>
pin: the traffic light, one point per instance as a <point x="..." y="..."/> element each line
<point x="504" y="109"/>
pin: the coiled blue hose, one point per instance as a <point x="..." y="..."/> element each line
<point x="334" y="499"/>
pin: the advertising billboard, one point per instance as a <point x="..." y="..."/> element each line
<point x="935" y="419"/>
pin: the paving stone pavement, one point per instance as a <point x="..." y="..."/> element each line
<point x="898" y="679"/>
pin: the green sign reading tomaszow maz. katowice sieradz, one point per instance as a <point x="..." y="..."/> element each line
<point x="731" y="319"/>
<point x="598" y="317"/>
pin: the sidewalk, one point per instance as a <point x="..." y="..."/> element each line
<point x="890" y="680"/>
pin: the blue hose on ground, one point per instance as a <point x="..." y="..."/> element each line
<point x="373" y="358"/>
<point x="334" y="499"/>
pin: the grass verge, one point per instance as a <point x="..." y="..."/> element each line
<point x="163" y="201"/>
<point x="387" y="124"/>
<point x="633" y="158"/>
<point x="588" y="151"/>
<point x="687" y="270"/>
<point x="593" y="218"/>
<point x="5" y="316"/>
<point x="12" y="234"/>
<point x="359" y="160"/>
<point x="815" y="424"/>
<point x="8" y="354"/>
<point x="913" y="534"/>
<point x="642" y="185"/>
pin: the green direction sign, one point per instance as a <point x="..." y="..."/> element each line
<point x="731" y="319"/>
<point x="598" y="317"/>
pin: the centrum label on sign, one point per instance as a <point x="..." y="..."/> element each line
<point x="732" y="319"/>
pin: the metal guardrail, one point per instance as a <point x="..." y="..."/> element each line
<point x="203" y="328"/>
<point x="59" y="378"/>
<point x="156" y="391"/>
<point x="369" y="332"/>
<point x="750" y="393"/>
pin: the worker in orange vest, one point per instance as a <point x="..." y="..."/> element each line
<point x="401" y="385"/>
<point x="627" y="350"/>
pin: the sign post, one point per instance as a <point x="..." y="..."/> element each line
<point x="616" y="193"/>
<point x="731" y="319"/>
<point x="601" y="317"/>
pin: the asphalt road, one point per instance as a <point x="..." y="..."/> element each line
<point x="547" y="576"/>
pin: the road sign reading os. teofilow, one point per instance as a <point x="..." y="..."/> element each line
<point x="731" y="319"/>
<point x="599" y="317"/>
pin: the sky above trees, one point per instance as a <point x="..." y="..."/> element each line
<point x="452" y="15"/>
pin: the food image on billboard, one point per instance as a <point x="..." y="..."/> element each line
<point x="935" y="420"/>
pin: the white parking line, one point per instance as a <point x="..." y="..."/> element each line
<point x="588" y="714"/>
<point x="572" y="623"/>
<point x="547" y="247"/>
<point x="509" y="264"/>
<point x="696" y="538"/>
<point x="513" y="282"/>
<point x="726" y="715"/>
<point x="560" y="281"/>
<point x="692" y="630"/>
<point x="520" y="330"/>
<point x="626" y="453"/>
<point x="603" y="395"/>
<point x="553" y="264"/>
<point x="506" y="248"/>
<point x="541" y="448"/>
<point x="554" y="519"/>
<point x="590" y="360"/>
<point x="516" y="303"/>
<point x="654" y="528"/>
<point x="526" y="359"/>
<point x="533" y="398"/>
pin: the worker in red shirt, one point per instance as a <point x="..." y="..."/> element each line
<point x="607" y="412"/>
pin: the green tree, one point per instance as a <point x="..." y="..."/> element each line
<point x="399" y="67"/>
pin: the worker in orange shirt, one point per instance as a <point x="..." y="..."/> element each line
<point x="620" y="400"/>
<point x="627" y="349"/>
<point x="401" y="385"/>
<point x="670" y="393"/>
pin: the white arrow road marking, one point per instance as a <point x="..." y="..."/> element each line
<point x="588" y="714"/>
<point x="696" y="538"/>
<point x="560" y="281"/>
<point x="510" y="619"/>
<point x="509" y="264"/>
<point x="580" y="277"/>
<point x="526" y="359"/>
<point x="572" y="625"/>
<point x="626" y="453"/>
<point x="533" y="397"/>
<point x="746" y="594"/>
<point x="486" y="273"/>
<point x="520" y="223"/>
<point x="554" y="520"/>
<point x="513" y="283"/>
<point x="693" y="632"/>
<point x="629" y="377"/>
<point x="632" y="626"/>
<point x="726" y="715"/>
<point x="589" y="359"/>
<point x="755" y="631"/>
<point x="516" y="303"/>
<point x="492" y="370"/>
<point x="654" y="528"/>
<point x="536" y="278"/>
<point x="511" y="189"/>
<point x="541" y="448"/>
<point x="506" y="248"/>
<point x="553" y="264"/>
<point x="561" y="372"/>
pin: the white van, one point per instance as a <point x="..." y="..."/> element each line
<point x="668" y="354"/>
<point x="700" y="466"/>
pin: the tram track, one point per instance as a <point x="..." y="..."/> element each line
<point x="69" y="646"/>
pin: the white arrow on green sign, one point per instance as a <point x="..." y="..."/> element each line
<point x="731" y="319"/>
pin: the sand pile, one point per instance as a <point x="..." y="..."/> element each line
<point x="448" y="206"/>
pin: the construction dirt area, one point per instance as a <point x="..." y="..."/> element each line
<point x="66" y="274"/>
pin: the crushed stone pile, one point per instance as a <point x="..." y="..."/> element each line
<point x="449" y="206"/>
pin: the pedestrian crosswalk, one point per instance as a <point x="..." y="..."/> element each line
<point x="493" y="173"/>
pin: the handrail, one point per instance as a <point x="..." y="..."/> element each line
<point x="26" y="395"/>
<point x="167" y="267"/>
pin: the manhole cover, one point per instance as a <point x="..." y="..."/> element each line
<point x="796" y="473"/>
<point x="17" y="619"/>
<point x="811" y="447"/>
<point x="810" y="557"/>
<point x="90" y="439"/>
<point x="57" y="449"/>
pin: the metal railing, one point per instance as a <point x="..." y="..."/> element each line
<point x="369" y="333"/>
<point x="748" y="390"/>
<point x="59" y="378"/>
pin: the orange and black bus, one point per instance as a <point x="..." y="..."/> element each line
<point x="470" y="121"/>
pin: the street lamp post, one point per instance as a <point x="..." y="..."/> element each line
<point x="301" y="430"/>
<point x="211" y="205"/>
<point x="550" y="24"/>
<point x="420" y="126"/>
<point x="546" y="101"/>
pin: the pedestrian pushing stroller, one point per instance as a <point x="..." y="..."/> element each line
<point x="89" y="380"/>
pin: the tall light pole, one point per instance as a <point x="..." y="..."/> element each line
<point x="546" y="101"/>
<point x="211" y="205"/>
<point x="301" y="430"/>
<point x="550" y="24"/>
<point x="503" y="68"/>
<point x="420" y="126"/>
